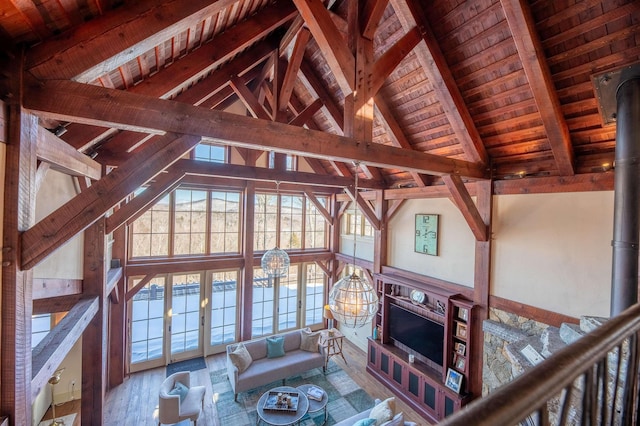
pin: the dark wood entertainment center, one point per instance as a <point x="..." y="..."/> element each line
<point x="421" y="383"/>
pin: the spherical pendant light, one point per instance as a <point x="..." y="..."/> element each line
<point x="275" y="262"/>
<point x="353" y="301"/>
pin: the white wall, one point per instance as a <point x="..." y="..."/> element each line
<point x="553" y="251"/>
<point x="456" y="244"/>
<point x="66" y="262"/>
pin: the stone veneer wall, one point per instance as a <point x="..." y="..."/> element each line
<point x="497" y="363"/>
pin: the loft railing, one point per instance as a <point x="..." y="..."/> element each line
<point x="593" y="381"/>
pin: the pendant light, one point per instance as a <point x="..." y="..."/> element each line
<point x="275" y="262"/>
<point x="352" y="300"/>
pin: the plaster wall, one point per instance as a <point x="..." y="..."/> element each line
<point x="66" y="262"/>
<point x="553" y="251"/>
<point x="456" y="244"/>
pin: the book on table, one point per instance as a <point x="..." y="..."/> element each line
<point x="315" y="393"/>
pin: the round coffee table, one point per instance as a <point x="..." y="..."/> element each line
<point x="277" y="418"/>
<point x="314" y="405"/>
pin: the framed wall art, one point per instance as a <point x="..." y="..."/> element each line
<point x="426" y="234"/>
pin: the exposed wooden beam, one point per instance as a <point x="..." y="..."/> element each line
<point x="80" y="212"/>
<point x="523" y="28"/>
<point x="117" y="37"/>
<point x="324" y="268"/>
<point x="394" y="206"/>
<point x="545" y="185"/>
<point x="55" y="287"/>
<point x="233" y="171"/>
<point x="462" y="199"/>
<point x="293" y="66"/>
<point x="392" y="58"/>
<point x="113" y="276"/>
<point x="323" y="211"/>
<point x="56" y="304"/>
<point x="135" y="289"/>
<point x="126" y="110"/>
<point x="305" y="115"/>
<point x="365" y="208"/>
<point x="248" y="98"/>
<point x="55" y="346"/>
<point x="410" y="13"/>
<point x="324" y="31"/>
<point x="371" y="15"/>
<point x="64" y="158"/>
<point x="163" y="184"/>
<point x="313" y="83"/>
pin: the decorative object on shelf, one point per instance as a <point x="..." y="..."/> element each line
<point x="352" y="300"/>
<point x="440" y="309"/>
<point x="463" y="314"/>
<point x="375" y="333"/>
<point x="426" y="240"/>
<point x="53" y="381"/>
<point x="460" y="362"/>
<point x="326" y="314"/>
<point x="412" y="358"/>
<point x="461" y="330"/>
<point x="460" y="348"/>
<point x="275" y="262"/>
<point x="417" y="297"/>
<point x="454" y="380"/>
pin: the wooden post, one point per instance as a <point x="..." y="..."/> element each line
<point x="19" y="214"/>
<point x="380" y="235"/>
<point x="118" y="315"/>
<point x="482" y="280"/>
<point x="94" y="339"/>
<point x="247" y="281"/>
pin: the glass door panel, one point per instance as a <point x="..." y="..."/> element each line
<point x="315" y="285"/>
<point x="223" y="302"/>
<point x="186" y="316"/>
<point x="263" y="304"/>
<point x="147" y="324"/>
<point x="288" y="300"/>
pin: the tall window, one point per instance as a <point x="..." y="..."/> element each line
<point x="288" y="300"/>
<point x="266" y="221"/>
<point x="315" y="283"/>
<point x="291" y="220"/>
<point x="225" y="222"/>
<point x="147" y="321"/>
<point x="224" y="297"/>
<point x="40" y="327"/>
<point x="190" y="222"/>
<point x="356" y="224"/>
<point x="315" y="234"/>
<point x="212" y="153"/>
<point x="150" y="234"/>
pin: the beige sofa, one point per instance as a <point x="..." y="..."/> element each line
<point x="263" y="370"/>
<point x="396" y="421"/>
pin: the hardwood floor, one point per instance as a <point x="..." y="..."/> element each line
<point x="135" y="401"/>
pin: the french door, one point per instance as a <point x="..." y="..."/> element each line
<point x="186" y="313"/>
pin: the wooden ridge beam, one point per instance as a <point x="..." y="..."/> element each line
<point x="64" y="158"/>
<point x="165" y="183"/>
<point x="462" y="199"/>
<point x="55" y="346"/>
<point x="80" y="212"/>
<point x="444" y="85"/>
<point x="233" y="171"/>
<point x="523" y="28"/>
<point x="67" y="99"/>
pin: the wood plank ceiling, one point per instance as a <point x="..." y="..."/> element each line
<point x="499" y="88"/>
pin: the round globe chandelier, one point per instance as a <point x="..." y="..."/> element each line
<point x="352" y="300"/>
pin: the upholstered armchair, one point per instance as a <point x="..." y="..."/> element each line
<point x="176" y="403"/>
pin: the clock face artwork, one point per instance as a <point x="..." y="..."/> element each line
<point x="427" y="234"/>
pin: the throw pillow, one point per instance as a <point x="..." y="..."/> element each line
<point x="365" y="422"/>
<point x="275" y="347"/>
<point x="309" y="340"/>
<point x="179" y="389"/>
<point x="241" y="358"/>
<point x="397" y="420"/>
<point x="383" y="412"/>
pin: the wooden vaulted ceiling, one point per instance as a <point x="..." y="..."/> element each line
<point x="478" y="88"/>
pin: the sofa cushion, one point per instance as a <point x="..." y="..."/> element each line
<point x="275" y="347"/>
<point x="397" y="420"/>
<point x="241" y="358"/>
<point x="365" y="422"/>
<point x="180" y="390"/>
<point x="383" y="412"/>
<point x="309" y="340"/>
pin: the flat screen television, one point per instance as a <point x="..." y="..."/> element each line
<point x="416" y="332"/>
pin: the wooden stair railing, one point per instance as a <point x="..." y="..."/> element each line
<point x="593" y="381"/>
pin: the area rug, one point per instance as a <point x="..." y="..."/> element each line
<point x="346" y="398"/>
<point x="186" y="365"/>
